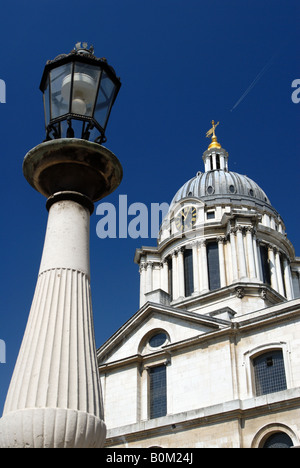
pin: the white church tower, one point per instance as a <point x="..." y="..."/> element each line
<point x="211" y="359"/>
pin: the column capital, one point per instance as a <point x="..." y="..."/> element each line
<point x="250" y="229"/>
<point x="240" y="228"/>
<point x="142" y="267"/>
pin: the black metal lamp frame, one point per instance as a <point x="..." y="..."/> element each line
<point x="54" y="126"/>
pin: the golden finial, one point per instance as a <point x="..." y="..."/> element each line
<point x="214" y="141"/>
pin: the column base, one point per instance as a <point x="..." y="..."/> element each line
<point x="51" y="428"/>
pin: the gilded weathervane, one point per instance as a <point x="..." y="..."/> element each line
<point x="214" y="141"/>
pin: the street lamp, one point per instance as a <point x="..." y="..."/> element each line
<point x="54" y="398"/>
<point x="79" y="91"/>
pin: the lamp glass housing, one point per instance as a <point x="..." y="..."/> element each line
<point x="79" y="91"/>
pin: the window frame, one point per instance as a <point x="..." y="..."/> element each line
<point x="188" y="267"/>
<point x="260" y="382"/>
<point x="150" y="369"/>
<point x="267" y="431"/>
<point x="265" y="264"/>
<point x="213" y="283"/>
<point x="262" y="349"/>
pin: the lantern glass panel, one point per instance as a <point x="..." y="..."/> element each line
<point x="105" y="99"/>
<point x="60" y="99"/>
<point x="46" y="97"/>
<point x="85" y="85"/>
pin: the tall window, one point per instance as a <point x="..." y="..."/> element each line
<point x="265" y="265"/>
<point x="188" y="272"/>
<point x="282" y="272"/>
<point x="170" y="276"/>
<point x="213" y="265"/>
<point x="269" y="373"/>
<point x="158" y="391"/>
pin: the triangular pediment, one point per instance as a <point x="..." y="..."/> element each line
<point x="178" y="324"/>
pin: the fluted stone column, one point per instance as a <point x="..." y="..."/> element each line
<point x="180" y="266"/>
<point x="279" y="273"/>
<point x="221" y="241"/>
<point x="149" y="278"/>
<point x="195" y="267"/>
<point x="164" y="276"/>
<point x="250" y="252"/>
<point x="271" y="256"/>
<point x="233" y="255"/>
<point x="175" y="276"/>
<point x="54" y="398"/>
<point x="142" y="283"/>
<point x="55" y="389"/>
<point x="204" y="285"/>
<point x="288" y="279"/>
<point x="257" y="259"/>
<point x="241" y="253"/>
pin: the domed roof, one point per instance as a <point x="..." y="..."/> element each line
<point x="216" y="184"/>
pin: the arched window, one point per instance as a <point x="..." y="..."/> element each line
<point x="269" y="372"/>
<point x="278" y="440"/>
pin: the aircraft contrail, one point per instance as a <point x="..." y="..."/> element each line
<point x="256" y="79"/>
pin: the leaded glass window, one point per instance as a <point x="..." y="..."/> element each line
<point x="188" y="272"/>
<point x="269" y="373"/>
<point x="265" y="265"/>
<point x="170" y="278"/>
<point x="158" y="391"/>
<point x="213" y="265"/>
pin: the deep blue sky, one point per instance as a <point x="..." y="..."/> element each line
<point x="182" y="63"/>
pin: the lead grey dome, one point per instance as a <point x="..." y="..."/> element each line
<point x="222" y="184"/>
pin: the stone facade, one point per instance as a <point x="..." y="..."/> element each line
<point x="221" y="291"/>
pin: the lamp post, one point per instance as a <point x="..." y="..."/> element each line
<point x="54" y="398"/>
